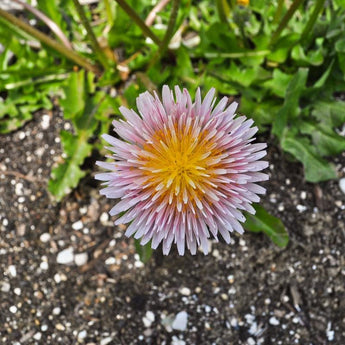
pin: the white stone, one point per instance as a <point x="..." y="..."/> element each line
<point x="77" y="225"/>
<point x="301" y="208"/>
<point x="106" y="341"/>
<point x="65" y="257"/>
<point x="342" y="184"/>
<point x="44" y="265"/>
<point x="17" y="291"/>
<point x="80" y="259"/>
<point x="13" y="309"/>
<point x="12" y="271"/>
<point x="104" y="218"/>
<point x="5" y="287"/>
<point x="110" y="261"/>
<point x="45" y="237"/>
<point x="45" y="121"/>
<point x="82" y="334"/>
<point x="38" y="336"/>
<point x="57" y="278"/>
<point x="180" y="322"/>
<point x="44" y="328"/>
<point x="57" y="311"/>
<point x="207" y="308"/>
<point x="274" y="321"/>
<point x="184" y="291"/>
<point x="19" y="188"/>
<point x="251" y="341"/>
<point x="329" y="332"/>
<point x="149" y="318"/>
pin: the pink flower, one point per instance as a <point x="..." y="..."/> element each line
<point x="183" y="170"/>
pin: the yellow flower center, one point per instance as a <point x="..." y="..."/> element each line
<point x="179" y="162"/>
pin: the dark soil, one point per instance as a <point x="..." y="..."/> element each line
<point x="249" y="292"/>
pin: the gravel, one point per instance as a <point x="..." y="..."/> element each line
<point x="68" y="276"/>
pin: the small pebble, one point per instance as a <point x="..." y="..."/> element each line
<point x="45" y="237"/>
<point x="207" y="308"/>
<point x="5" y="287"/>
<point x="251" y="341"/>
<point x="301" y="208"/>
<point x="273" y="321"/>
<point x="57" y="278"/>
<point x="184" y="291"/>
<point x="82" y="334"/>
<point x="44" y="265"/>
<point x="56" y="311"/>
<point x="342" y="184"/>
<point x="17" y="291"/>
<point x="104" y="218"/>
<point x="60" y="327"/>
<point x="80" y="259"/>
<point x="13" y="309"/>
<point x="180" y="321"/>
<point x="65" y="257"/>
<point x="106" y="341"/>
<point x="77" y="225"/>
<point x="38" y="336"/>
<point x="45" y="121"/>
<point x="12" y="271"/>
<point x="148" y="319"/>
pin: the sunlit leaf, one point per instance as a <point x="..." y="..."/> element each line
<point x="264" y="222"/>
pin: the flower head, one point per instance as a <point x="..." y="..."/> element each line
<point x="183" y="170"/>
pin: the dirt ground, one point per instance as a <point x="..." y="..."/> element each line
<point x="68" y="276"/>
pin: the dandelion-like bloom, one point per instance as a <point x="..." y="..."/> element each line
<point x="183" y="170"/>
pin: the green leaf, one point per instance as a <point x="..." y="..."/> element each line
<point x="283" y="47"/>
<point x="331" y="113"/>
<point x="290" y="108"/>
<point x="314" y="58"/>
<point x="74" y="101"/>
<point x="325" y="140"/>
<point x="67" y="175"/>
<point x="277" y="85"/>
<point x="144" y="251"/>
<point x="264" y="222"/>
<point x="316" y="169"/>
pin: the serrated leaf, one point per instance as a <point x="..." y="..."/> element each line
<point x="67" y="175"/>
<point x="264" y="222"/>
<point x="316" y="169"/>
<point x="326" y="141"/>
<point x="331" y="113"/>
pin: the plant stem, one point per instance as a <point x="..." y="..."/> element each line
<point x="110" y="18"/>
<point x="68" y="53"/>
<point x="132" y="14"/>
<point x="170" y="30"/>
<point x="93" y="40"/>
<point x="278" y="13"/>
<point x="152" y="15"/>
<point x="310" y="24"/>
<point x="50" y="23"/>
<point x="284" y="22"/>
<point x="223" y="9"/>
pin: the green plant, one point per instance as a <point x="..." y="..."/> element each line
<point x="285" y="64"/>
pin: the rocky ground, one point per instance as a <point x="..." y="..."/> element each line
<point x="68" y="276"/>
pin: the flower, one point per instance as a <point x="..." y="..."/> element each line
<point x="183" y="170"/>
